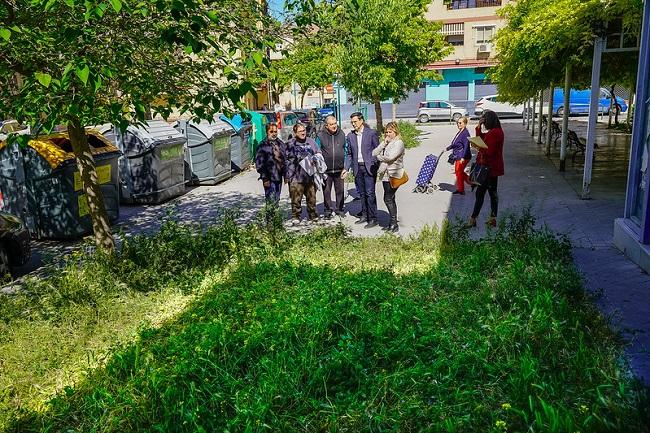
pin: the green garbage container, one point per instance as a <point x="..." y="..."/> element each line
<point x="258" y="133"/>
<point x="41" y="183"/>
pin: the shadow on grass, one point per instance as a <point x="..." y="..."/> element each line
<point x="331" y="333"/>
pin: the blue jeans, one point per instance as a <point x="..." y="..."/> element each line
<point x="272" y="193"/>
<point x="365" y="184"/>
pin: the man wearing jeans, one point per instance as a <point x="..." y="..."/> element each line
<point x="360" y="144"/>
<point x="331" y="141"/>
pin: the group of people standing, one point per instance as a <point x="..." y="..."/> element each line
<point x="307" y="164"/>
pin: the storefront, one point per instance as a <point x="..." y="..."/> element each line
<point x="632" y="232"/>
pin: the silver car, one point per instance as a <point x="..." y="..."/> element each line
<point x="436" y="110"/>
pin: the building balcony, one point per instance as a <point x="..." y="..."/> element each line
<point x="469" y="4"/>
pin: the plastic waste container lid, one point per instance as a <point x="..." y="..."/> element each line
<point x="56" y="148"/>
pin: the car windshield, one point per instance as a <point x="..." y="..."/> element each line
<point x="270" y="117"/>
<point x="301" y="115"/>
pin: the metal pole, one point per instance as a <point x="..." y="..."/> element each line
<point x="549" y="128"/>
<point x="593" y="117"/>
<point x="565" y="117"/>
<point x="541" y="116"/>
<point x="528" y="115"/>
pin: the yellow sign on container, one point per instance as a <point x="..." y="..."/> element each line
<point x="82" y="202"/>
<point x="103" y="176"/>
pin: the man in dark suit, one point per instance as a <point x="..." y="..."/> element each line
<point x="359" y="146"/>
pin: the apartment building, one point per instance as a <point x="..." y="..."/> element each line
<point x="469" y="26"/>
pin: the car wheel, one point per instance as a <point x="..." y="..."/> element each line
<point x="5" y="270"/>
<point x="423" y="118"/>
<point x="560" y="112"/>
<point x="456" y="116"/>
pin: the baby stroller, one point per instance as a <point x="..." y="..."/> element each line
<point x="423" y="182"/>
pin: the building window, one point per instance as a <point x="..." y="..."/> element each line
<point x="456" y="40"/>
<point x="483" y="34"/>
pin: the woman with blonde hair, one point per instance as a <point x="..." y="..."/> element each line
<point x="390" y="153"/>
<point x="461" y="155"/>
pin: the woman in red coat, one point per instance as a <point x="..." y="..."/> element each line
<point x="493" y="158"/>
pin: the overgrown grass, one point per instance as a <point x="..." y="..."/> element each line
<point x="324" y="332"/>
<point x="409" y="133"/>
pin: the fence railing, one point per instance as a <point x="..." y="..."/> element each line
<point x="467" y="4"/>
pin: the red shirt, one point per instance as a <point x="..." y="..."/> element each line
<point x="493" y="155"/>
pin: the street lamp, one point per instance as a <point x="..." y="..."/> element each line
<point x="338" y="87"/>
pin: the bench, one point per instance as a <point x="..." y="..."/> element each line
<point x="580" y="144"/>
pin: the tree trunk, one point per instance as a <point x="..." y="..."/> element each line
<point x="394" y="109"/>
<point x="568" y="80"/>
<point x="302" y="99"/>
<point x="612" y="105"/>
<point x="549" y="129"/>
<point x="86" y="165"/>
<point x="380" y="119"/>
<point x="541" y="116"/>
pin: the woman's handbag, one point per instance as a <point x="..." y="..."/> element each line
<point x="396" y="182"/>
<point x="479" y="174"/>
<point x="452" y="159"/>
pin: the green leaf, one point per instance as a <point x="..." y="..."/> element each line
<point x="43" y="78"/>
<point x="67" y="70"/>
<point x="117" y="5"/>
<point x="83" y="74"/>
<point x="258" y="57"/>
<point x="212" y="15"/>
<point x="5" y="34"/>
<point x="70" y="3"/>
<point x="188" y="49"/>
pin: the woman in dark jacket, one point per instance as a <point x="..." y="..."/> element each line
<point x="492" y="156"/>
<point x="461" y="155"/>
<point x="271" y="163"/>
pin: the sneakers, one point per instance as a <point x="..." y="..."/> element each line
<point x="328" y="216"/>
<point x="471" y="223"/>
<point x="491" y="222"/>
<point x="459" y="192"/>
<point x="295" y="222"/>
<point x="340" y="213"/>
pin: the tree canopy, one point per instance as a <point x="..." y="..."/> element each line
<point x="85" y="62"/>
<point x="542" y="37"/>
<point x="380" y="48"/>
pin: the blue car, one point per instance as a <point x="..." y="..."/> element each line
<point x="328" y="109"/>
<point x="579" y="102"/>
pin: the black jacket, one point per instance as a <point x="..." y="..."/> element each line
<point x="332" y="147"/>
<point x="266" y="165"/>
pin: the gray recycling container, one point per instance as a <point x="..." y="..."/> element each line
<point x="152" y="167"/>
<point x="41" y="184"/>
<point x="207" y="151"/>
<point x="240" y="145"/>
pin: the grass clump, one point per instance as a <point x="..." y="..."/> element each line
<point x="409" y="133"/>
<point x="324" y="332"/>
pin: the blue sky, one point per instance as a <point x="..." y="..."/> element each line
<point x="276" y="7"/>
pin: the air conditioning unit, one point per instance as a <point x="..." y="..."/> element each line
<point x="484" y="48"/>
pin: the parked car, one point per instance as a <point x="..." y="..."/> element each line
<point x="14" y="243"/>
<point x="435" y="110"/>
<point x="285" y="121"/>
<point x="579" y="101"/>
<point x="492" y="102"/>
<point x="12" y="127"/>
<point x="312" y="119"/>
